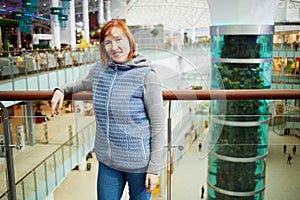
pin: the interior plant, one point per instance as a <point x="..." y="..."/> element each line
<point x="41" y="46"/>
<point x="4" y="24"/>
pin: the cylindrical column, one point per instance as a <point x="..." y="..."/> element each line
<point x="85" y="16"/>
<point x="241" y="51"/>
<point x="9" y="154"/>
<point x="19" y="42"/>
<point x="193" y="37"/>
<point x="28" y="110"/>
<point x="107" y="10"/>
<point x="118" y="9"/>
<point x="100" y="12"/>
<point x="72" y="22"/>
<point x="68" y="35"/>
<point x="55" y="28"/>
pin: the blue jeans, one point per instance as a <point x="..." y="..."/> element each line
<point x="111" y="183"/>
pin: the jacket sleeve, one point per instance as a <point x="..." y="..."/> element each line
<point x="154" y="105"/>
<point x="79" y="85"/>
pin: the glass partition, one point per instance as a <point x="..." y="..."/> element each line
<point x="44" y="69"/>
<point x="191" y="165"/>
<point x="50" y="160"/>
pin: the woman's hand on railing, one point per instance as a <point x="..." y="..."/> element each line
<point x="57" y="98"/>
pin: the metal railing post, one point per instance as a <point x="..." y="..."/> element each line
<point x="25" y="70"/>
<point x="36" y="58"/>
<point x="48" y="75"/>
<point x="169" y="154"/>
<point x="9" y="155"/>
<point x="12" y="72"/>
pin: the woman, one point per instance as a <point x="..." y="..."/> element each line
<point x="129" y="115"/>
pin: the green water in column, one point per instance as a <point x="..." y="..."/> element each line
<point x="241" y="59"/>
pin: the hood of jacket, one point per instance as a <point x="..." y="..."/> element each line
<point x="138" y="60"/>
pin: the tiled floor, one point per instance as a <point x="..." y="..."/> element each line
<point x="282" y="180"/>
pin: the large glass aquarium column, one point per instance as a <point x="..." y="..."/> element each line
<point x="241" y="59"/>
<point x="241" y="50"/>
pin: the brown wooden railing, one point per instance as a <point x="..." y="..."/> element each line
<point x="167" y="95"/>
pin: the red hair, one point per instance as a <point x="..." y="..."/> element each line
<point x="106" y="30"/>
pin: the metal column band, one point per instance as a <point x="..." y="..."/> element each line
<point x="241" y="60"/>
<point x="242" y="30"/>
<point x="241" y="123"/>
<point x="237" y="159"/>
<point x="237" y="194"/>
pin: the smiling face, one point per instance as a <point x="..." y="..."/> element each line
<point x="116" y="42"/>
<point x="117" y="46"/>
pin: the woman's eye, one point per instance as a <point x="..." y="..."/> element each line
<point x="107" y="43"/>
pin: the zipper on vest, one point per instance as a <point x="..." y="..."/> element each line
<point x="143" y="147"/>
<point x="107" y="113"/>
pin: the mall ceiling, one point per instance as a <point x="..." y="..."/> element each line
<point x="173" y="14"/>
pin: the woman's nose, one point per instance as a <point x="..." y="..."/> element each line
<point x="114" y="45"/>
